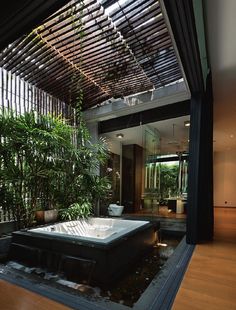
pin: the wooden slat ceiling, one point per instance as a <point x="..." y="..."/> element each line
<point x="19" y="17"/>
<point x="122" y="48"/>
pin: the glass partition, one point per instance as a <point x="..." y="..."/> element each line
<point x="153" y="162"/>
<point x="151" y="146"/>
<point x="165" y="179"/>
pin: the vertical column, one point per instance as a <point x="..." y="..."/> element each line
<point x="200" y="182"/>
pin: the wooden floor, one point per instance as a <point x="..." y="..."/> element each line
<point x="210" y="280"/>
<point x="161" y="211"/>
<point x="13" y="297"/>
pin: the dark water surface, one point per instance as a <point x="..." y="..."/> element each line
<point x="128" y="289"/>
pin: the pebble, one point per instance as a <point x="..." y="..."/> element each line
<point x="28" y="269"/>
<point x="49" y="276"/>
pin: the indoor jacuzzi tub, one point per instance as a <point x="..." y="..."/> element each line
<point x="96" y="250"/>
<point x="100" y="230"/>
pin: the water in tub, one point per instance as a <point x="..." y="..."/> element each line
<point x="85" y="228"/>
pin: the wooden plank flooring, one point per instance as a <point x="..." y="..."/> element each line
<point x="210" y="280"/>
<point x="13" y="297"/>
<point x="161" y="211"/>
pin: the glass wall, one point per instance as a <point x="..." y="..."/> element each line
<point x="165" y="179"/>
<point x="151" y="146"/>
<point x="153" y="165"/>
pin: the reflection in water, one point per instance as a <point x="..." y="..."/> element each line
<point x="128" y="290"/>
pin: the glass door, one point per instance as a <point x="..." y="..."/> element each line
<point x="151" y="192"/>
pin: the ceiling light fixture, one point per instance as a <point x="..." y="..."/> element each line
<point x="120" y="135"/>
<point x="187" y="123"/>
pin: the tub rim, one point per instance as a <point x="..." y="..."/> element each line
<point x="84" y="240"/>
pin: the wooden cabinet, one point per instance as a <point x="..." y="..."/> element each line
<point x="132" y="173"/>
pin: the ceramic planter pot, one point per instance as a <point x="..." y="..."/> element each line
<point x="48" y="216"/>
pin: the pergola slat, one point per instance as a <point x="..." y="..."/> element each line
<point x="118" y="51"/>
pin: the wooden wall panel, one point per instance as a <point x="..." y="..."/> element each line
<point x="132" y="162"/>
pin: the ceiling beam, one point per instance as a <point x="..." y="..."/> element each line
<point x="144" y="117"/>
<point x="181" y="17"/>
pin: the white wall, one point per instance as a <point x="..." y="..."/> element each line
<point x="225" y="178"/>
<point x="93" y="130"/>
<point x="114" y="146"/>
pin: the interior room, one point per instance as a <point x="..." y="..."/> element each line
<point x="162" y="174"/>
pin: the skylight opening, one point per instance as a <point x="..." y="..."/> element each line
<point x="145" y="23"/>
<point x="119" y="58"/>
<point x="112" y="8"/>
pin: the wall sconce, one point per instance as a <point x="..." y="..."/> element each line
<point x="187" y="124"/>
<point x="120" y="135"/>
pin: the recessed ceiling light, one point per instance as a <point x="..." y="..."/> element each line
<point x="120" y="135"/>
<point x="231" y="135"/>
<point x="187" y="123"/>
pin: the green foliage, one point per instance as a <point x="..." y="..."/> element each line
<point x="46" y="163"/>
<point x="77" y="210"/>
<point x="168" y="181"/>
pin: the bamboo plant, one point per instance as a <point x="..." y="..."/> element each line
<point x="46" y="163"/>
